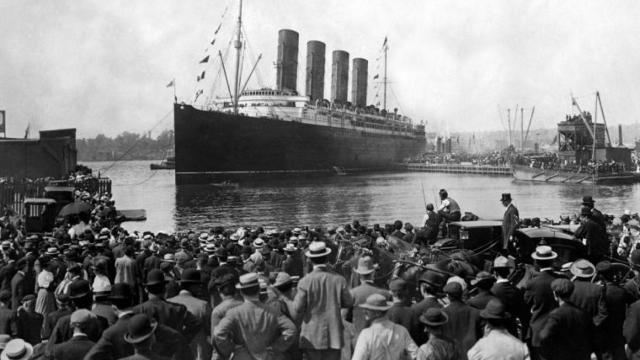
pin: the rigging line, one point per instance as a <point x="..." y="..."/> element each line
<point x="395" y="97"/>
<point x="162" y="119"/>
<point x="252" y="56"/>
<point x="153" y="173"/>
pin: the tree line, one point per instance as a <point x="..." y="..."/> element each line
<point x="125" y="146"/>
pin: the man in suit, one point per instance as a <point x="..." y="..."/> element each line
<point x="141" y="335"/>
<point x="539" y="296"/>
<point x="7" y="316"/>
<point x="50" y="321"/>
<point x="616" y="300"/>
<point x="430" y="283"/>
<point x="483" y="282"/>
<point x="510" y="220"/>
<point x="464" y="320"/>
<point x="321" y="295"/>
<point x="81" y="297"/>
<point x="253" y="330"/>
<point x="400" y="312"/>
<point x="173" y="315"/>
<point x="191" y="289"/>
<point x="567" y="332"/>
<point x="511" y="297"/>
<point x="593" y="236"/>
<point x="112" y="346"/>
<point x="18" y="284"/>
<point x="360" y="293"/>
<point x="79" y="344"/>
<point x="596" y="215"/>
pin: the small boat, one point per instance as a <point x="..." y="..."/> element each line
<point x="169" y="163"/>
<point x="226" y="184"/>
<point x="339" y="171"/>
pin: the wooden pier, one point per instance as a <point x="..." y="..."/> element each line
<point x="460" y="169"/>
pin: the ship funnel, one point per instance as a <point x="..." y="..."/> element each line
<point x="359" y="82"/>
<point x="315" y="70"/>
<point x="339" y="76"/>
<point x="287" y="65"/>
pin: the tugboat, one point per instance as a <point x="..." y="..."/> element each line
<point x="583" y="155"/>
<point x="168" y="163"/>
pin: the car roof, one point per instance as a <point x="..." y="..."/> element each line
<point x="545" y="232"/>
<point x="477" y="223"/>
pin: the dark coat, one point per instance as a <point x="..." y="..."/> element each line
<point x="616" y="300"/>
<point x="76" y="348"/>
<point x="401" y="314"/>
<point x="480" y="301"/>
<point x="597" y="239"/>
<point x="63" y="331"/>
<point x="51" y="320"/>
<point x="631" y="329"/>
<point x="463" y="325"/>
<point x="28" y="325"/>
<point x="18" y="289"/>
<point x="417" y="332"/>
<point x="589" y="297"/>
<point x="172" y="315"/>
<point x="510" y="222"/>
<point x="112" y="346"/>
<point x="7" y="321"/>
<point x="293" y="264"/>
<point x="513" y="300"/>
<point x="567" y="334"/>
<point x="539" y="297"/>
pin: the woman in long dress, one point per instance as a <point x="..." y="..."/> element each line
<point x="45" y="283"/>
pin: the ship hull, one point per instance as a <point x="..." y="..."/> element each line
<point x="212" y="146"/>
<point x="526" y="173"/>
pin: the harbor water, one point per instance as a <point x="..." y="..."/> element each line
<point x="370" y="198"/>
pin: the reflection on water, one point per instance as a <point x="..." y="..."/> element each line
<point x="372" y="198"/>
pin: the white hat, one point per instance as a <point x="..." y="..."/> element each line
<point x="290" y="247"/>
<point x="17" y="349"/>
<point x="203" y="237"/>
<point x="317" y="249"/>
<point x="258" y="243"/>
<point x="297" y="231"/>
<point x="544" y="252"/>
<point x="169" y="257"/>
<point x="210" y="248"/>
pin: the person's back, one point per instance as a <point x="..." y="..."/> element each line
<point x="498" y="345"/>
<point x="321" y="294"/>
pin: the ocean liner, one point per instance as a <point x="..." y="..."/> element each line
<point x="253" y="134"/>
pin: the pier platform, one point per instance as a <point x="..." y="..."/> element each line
<point x="460" y="169"/>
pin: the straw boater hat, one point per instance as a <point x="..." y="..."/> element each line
<point x="140" y="328"/>
<point x="582" y="268"/>
<point x="210" y="248"/>
<point x="317" y="249"/>
<point x="203" y="237"/>
<point x="376" y="302"/>
<point x="169" y="257"/>
<point x="544" y="252"/>
<point x="501" y="262"/>
<point x="52" y="251"/>
<point x="17" y="349"/>
<point x="247" y="281"/>
<point x="290" y="248"/>
<point x="258" y="243"/>
<point x="365" y="266"/>
<point x="283" y="279"/>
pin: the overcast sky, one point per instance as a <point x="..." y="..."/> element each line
<point x="102" y="66"/>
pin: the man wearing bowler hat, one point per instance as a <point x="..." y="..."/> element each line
<point x="253" y="330"/>
<point x="438" y="346"/>
<point x="596" y="215"/>
<point x="191" y="289"/>
<point x="510" y="295"/>
<point x="383" y="339"/>
<point x="173" y="315"/>
<point x="593" y="236"/>
<point x="321" y="294"/>
<point x="141" y="334"/>
<point x="510" y="220"/>
<point x="497" y="342"/>
<point x="430" y="284"/>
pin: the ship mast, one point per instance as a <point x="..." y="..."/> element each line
<point x="384" y="79"/>
<point x="238" y="45"/>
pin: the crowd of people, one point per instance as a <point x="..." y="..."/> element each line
<point x="91" y="290"/>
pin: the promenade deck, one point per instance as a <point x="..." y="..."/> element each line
<point x="461" y="169"/>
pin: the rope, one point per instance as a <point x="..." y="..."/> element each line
<point x="162" y="119"/>
<point x="153" y="173"/>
